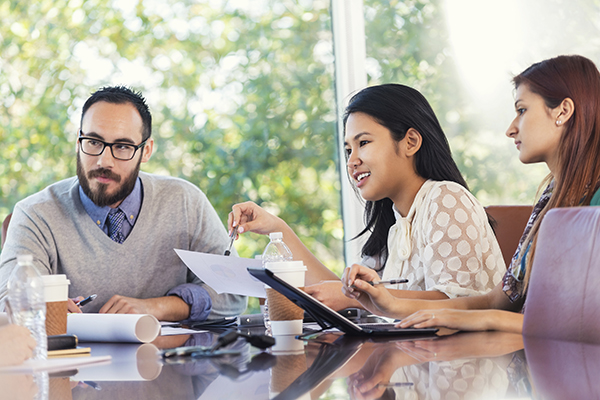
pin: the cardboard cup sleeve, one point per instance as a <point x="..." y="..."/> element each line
<point x="281" y="308"/>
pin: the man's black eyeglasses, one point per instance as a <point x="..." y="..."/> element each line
<point x="121" y="151"/>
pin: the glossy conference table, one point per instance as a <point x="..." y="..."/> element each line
<point x="463" y="365"/>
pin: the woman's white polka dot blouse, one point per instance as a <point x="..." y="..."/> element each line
<point x="445" y="243"/>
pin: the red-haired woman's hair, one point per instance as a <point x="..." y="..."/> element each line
<point x="576" y="179"/>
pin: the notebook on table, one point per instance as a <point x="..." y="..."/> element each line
<point x="326" y="317"/>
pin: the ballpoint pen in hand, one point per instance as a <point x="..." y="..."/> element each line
<point x="394" y="384"/>
<point x="390" y="282"/>
<point x="231" y="239"/>
<point x="86" y="300"/>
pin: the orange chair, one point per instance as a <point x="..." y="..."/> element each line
<point x="4" y="229"/>
<point x="510" y="224"/>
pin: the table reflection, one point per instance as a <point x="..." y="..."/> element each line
<point x="478" y="365"/>
<point x="563" y="370"/>
<point x="464" y="365"/>
<point x="17" y="387"/>
<point x="136" y="371"/>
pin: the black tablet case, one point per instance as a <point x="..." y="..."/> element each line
<point x="325" y="316"/>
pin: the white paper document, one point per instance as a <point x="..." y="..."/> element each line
<point x="225" y="274"/>
<point x="128" y="328"/>
<point x="55" y="364"/>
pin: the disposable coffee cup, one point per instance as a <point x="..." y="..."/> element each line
<point x="56" y="294"/>
<point x="286" y="317"/>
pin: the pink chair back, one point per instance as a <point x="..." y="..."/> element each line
<point x="563" y="300"/>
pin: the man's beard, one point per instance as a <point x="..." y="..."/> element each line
<point x="100" y="197"/>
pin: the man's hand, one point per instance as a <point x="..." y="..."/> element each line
<point x="72" y="306"/>
<point x="127" y="305"/>
<point x="168" y="308"/>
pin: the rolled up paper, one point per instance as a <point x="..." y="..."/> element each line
<point x="129" y="328"/>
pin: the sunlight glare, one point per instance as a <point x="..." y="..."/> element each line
<point x="485" y="39"/>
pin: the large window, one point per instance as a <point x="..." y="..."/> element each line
<point x="462" y="54"/>
<point x="241" y="92"/>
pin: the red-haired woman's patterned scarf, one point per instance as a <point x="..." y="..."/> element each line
<point x="513" y="279"/>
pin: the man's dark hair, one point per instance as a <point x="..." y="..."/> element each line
<point x="122" y="95"/>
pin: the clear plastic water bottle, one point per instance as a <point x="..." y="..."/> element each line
<point x="27" y="306"/>
<point x="276" y="250"/>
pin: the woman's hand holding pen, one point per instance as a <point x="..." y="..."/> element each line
<point x="250" y="217"/>
<point x="375" y="298"/>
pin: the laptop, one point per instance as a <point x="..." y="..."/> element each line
<point x="326" y="317"/>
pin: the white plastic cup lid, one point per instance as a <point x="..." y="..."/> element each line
<point x="285" y="266"/>
<point x="51" y="280"/>
<point x="56" y="287"/>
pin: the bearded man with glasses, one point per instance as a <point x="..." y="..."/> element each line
<point x="112" y="229"/>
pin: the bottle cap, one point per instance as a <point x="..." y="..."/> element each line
<point x="275" y="235"/>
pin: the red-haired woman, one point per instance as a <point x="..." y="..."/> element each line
<point x="557" y="122"/>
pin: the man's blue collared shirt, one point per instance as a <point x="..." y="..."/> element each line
<point x="130" y="206"/>
<point x="193" y="295"/>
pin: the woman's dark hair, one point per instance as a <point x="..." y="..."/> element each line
<point x="399" y="108"/>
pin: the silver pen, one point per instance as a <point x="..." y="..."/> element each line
<point x="231" y="239"/>
<point x="394" y="384"/>
<point x="86" y="300"/>
<point x="390" y="282"/>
